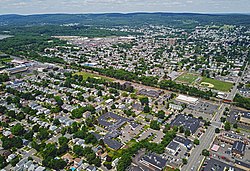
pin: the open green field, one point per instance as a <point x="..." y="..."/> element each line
<point x="218" y="85"/>
<point x="5" y="59"/>
<point x="187" y="78"/>
<point x="85" y="75"/>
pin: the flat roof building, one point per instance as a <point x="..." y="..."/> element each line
<point x="173" y="147"/>
<point x="238" y="148"/>
<point x="153" y="161"/>
<point x="186" y="99"/>
<point x="188" y="122"/>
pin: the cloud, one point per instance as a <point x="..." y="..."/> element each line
<point x="100" y="6"/>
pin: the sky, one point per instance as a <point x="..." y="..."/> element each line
<point x="123" y="6"/>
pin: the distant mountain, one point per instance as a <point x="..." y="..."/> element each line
<point x="134" y="19"/>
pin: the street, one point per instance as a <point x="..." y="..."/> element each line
<point x="195" y="159"/>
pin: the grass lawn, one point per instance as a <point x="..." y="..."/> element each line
<point x="187" y="78"/>
<point x="115" y="154"/>
<point x="5" y="59"/>
<point x="218" y="85"/>
<point x="85" y="75"/>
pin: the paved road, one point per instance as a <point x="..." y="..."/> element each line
<point x="206" y="140"/>
<point x="195" y="159"/>
<point x="234" y="90"/>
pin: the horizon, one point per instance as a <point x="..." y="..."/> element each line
<point x="136" y="12"/>
<point x="31" y="7"/>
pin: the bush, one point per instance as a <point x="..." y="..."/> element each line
<point x="205" y="152"/>
<point x="196" y="142"/>
<point x="217" y="130"/>
<point x="184" y="161"/>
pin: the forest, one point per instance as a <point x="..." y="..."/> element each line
<point x="188" y="20"/>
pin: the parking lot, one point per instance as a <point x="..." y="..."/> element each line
<point x="201" y="109"/>
<point x="128" y="133"/>
<point x="176" y="160"/>
<point x="224" y="153"/>
<point x="154" y="135"/>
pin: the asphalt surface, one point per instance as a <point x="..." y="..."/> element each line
<point x="234" y="90"/>
<point x="196" y="158"/>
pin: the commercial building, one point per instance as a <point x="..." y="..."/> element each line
<point x="185" y="142"/>
<point x="188" y="122"/>
<point x="186" y="99"/>
<point x="153" y="161"/>
<point x="173" y="147"/>
<point x="238" y="148"/>
<point x="175" y="107"/>
<point x="20" y="68"/>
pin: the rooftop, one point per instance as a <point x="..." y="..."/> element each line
<point x="187" y="122"/>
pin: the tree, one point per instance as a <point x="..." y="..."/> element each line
<point x="4" y="77"/>
<point x="99" y="93"/>
<point x="175" y="128"/>
<point x="62" y="149"/>
<point x="227" y="126"/>
<point x="17" y="129"/>
<point x="43" y="134"/>
<point x="181" y="129"/>
<point x="196" y="142"/>
<point x="167" y="128"/>
<point x="78" y="150"/>
<point x="207" y="123"/>
<point x="205" y="152"/>
<point x="35" y="128"/>
<point x="161" y="114"/>
<point x="124" y="162"/>
<point x="97" y="162"/>
<point x="113" y="106"/>
<point x="14" y="161"/>
<point x="56" y="122"/>
<point x="63" y="140"/>
<point x="56" y="164"/>
<point x="18" y="76"/>
<point x="155" y="125"/>
<point x="90" y="138"/>
<point x="108" y="165"/>
<point x="8" y="143"/>
<point x="222" y="119"/>
<point x="50" y="150"/>
<point x="29" y="135"/>
<point x="3" y="162"/>
<point x="146" y="109"/>
<point x="235" y="125"/>
<point x="144" y="101"/>
<point x="217" y="130"/>
<point x="58" y="100"/>
<point x="184" y="161"/>
<point x="187" y="132"/>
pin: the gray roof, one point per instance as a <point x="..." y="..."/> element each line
<point x="113" y="143"/>
<point x="155" y="160"/>
<point x="182" y="140"/>
<point x="173" y="145"/>
<point x="97" y="136"/>
<point x="217" y="165"/>
<point x="239" y="147"/>
<point x="103" y="120"/>
<point x="246" y="115"/>
<point x="188" y="122"/>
